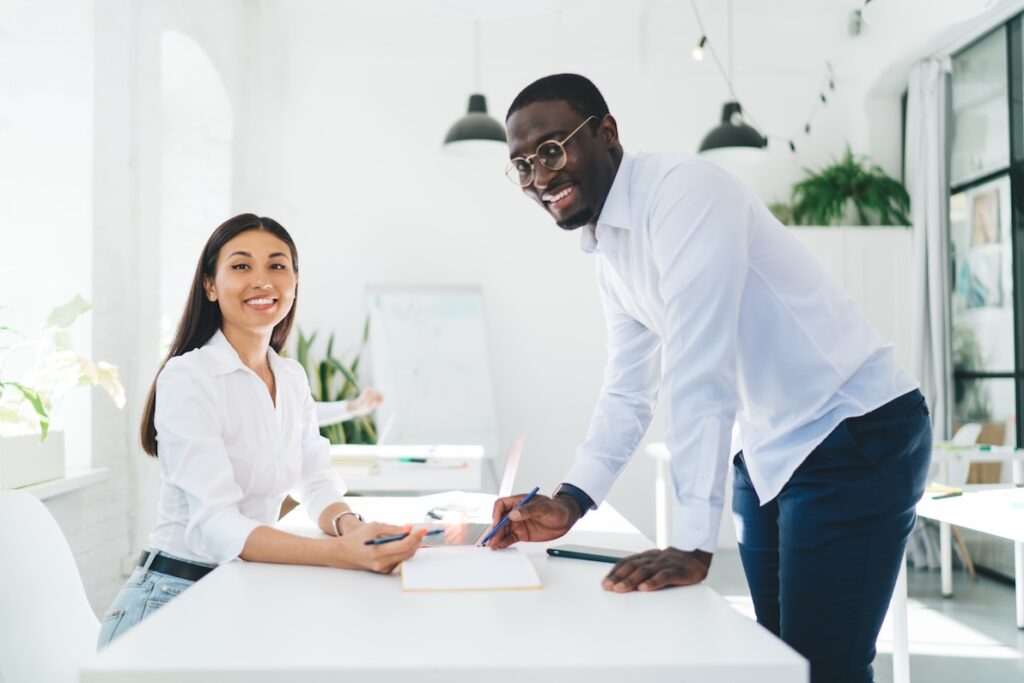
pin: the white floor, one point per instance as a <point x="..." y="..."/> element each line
<point x="970" y="637"/>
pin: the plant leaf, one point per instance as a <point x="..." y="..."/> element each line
<point x="37" y="404"/>
<point x="63" y="316"/>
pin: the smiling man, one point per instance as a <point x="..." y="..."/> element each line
<point x="709" y="300"/>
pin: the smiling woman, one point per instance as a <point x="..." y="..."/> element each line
<point x="235" y="429"/>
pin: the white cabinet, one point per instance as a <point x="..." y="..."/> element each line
<point x="875" y="266"/>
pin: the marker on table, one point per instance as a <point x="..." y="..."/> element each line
<point x="951" y="494"/>
<point x="504" y="520"/>
<point x="398" y="537"/>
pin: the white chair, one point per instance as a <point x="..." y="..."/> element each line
<point x="47" y="628"/>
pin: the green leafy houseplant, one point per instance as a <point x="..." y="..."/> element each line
<point x="822" y="198"/>
<point x="330" y="380"/>
<point x="27" y="403"/>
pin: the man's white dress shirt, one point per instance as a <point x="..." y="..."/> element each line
<point x="228" y="455"/>
<point x="709" y="298"/>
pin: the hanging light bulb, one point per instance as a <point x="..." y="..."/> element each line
<point x="698" y="51"/>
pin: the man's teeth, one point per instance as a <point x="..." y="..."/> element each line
<point x="259" y="302"/>
<point x="551" y="198"/>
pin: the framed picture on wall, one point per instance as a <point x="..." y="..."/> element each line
<point x="985" y="218"/>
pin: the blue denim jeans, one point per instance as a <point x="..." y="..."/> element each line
<point x="822" y="557"/>
<point x="144" y="593"/>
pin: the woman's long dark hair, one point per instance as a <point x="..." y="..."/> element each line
<point x="202" y="318"/>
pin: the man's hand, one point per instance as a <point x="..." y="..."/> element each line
<point x="542" y="519"/>
<point x="656" y="569"/>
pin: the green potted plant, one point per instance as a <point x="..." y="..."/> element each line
<point x="49" y="369"/>
<point x="333" y="380"/>
<point x="851" y="190"/>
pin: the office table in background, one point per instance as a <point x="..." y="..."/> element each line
<point x="263" y="622"/>
<point x="397" y="469"/>
<point x="992" y="509"/>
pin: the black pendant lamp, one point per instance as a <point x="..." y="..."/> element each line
<point x="476" y="126"/>
<point x="732" y="132"/>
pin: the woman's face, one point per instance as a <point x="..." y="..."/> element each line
<point x="254" y="282"/>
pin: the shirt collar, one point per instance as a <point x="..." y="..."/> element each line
<point x="224" y="359"/>
<point x="616" y="211"/>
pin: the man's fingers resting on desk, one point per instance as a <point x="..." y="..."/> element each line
<point x="654" y="569"/>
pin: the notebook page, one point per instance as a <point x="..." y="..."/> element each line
<point x="461" y="568"/>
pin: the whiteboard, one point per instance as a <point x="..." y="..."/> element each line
<point x="429" y="358"/>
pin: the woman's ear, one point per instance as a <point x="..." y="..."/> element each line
<point x="211" y="292"/>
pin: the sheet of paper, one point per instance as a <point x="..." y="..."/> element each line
<point x="466" y="568"/>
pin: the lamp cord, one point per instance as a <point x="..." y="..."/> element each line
<point x="827" y="82"/>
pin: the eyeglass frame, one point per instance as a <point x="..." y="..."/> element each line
<point x="529" y="159"/>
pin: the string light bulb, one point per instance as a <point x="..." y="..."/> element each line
<point x="698" y="50"/>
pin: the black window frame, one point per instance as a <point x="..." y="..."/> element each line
<point x="1015" y="172"/>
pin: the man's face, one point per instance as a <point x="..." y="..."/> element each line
<point x="574" y="194"/>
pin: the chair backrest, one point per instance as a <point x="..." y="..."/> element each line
<point x="47" y="628"/>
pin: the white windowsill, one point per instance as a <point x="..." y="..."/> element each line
<point x="71" y="482"/>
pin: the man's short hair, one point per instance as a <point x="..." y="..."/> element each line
<point x="577" y="91"/>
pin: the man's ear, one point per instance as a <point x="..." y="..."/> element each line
<point x="608" y="131"/>
<point x="211" y="292"/>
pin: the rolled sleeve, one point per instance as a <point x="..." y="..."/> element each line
<point x="321" y="485"/>
<point x="626" y="404"/>
<point x="193" y="458"/>
<point x="698" y="239"/>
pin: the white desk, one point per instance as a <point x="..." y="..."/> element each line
<point x="260" y="622"/>
<point x="992" y="510"/>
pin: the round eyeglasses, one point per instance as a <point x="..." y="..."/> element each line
<point x="550" y="153"/>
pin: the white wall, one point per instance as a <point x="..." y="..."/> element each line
<point x="45" y="173"/>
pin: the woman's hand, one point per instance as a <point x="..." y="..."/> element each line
<point x="353" y="553"/>
<point x="364" y="404"/>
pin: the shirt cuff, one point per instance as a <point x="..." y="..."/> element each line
<point x="326" y="490"/>
<point x="695" y="527"/>
<point x="584" y="501"/>
<point x="223" y="536"/>
<point x="588" y="474"/>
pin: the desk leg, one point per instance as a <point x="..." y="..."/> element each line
<point x="661" y="498"/>
<point x="946" y="558"/>
<point x="900" y="640"/>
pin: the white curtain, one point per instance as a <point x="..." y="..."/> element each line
<point x="927" y="179"/>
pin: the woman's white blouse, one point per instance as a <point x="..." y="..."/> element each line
<point x="228" y="456"/>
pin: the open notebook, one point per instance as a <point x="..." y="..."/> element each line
<point x="467" y="568"/>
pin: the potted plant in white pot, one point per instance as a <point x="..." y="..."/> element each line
<point x="49" y="369"/>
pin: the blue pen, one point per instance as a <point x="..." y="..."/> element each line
<point x="504" y="520"/>
<point x="398" y="537"/>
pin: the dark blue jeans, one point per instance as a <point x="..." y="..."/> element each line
<point x="822" y="557"/>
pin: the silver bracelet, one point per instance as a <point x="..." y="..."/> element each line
<point x="337" y="518"/>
